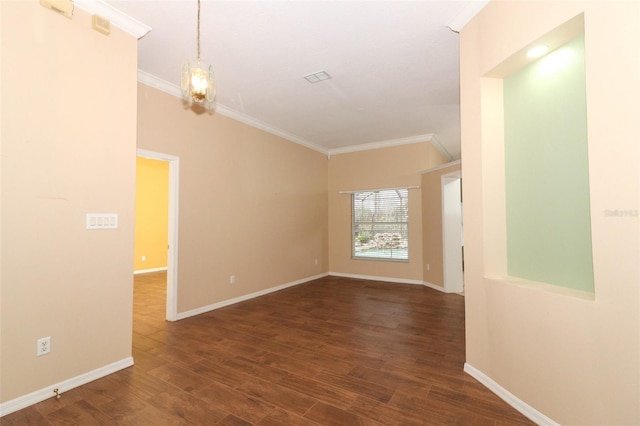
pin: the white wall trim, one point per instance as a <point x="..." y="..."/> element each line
<point x="214" y="306"/>
<point x="470" y="9"/>
<point x="218" y="305"/>
<point x="173" y="90"/>
<point x="442" y="166"/>
<point x="433" y="286"/>
<point x="250" y="121"/>
<point x="390" y="280"/>
<point x="117" y="18"/>
<point x="64" y="386"/>
<point x="438" y="145"/>
<point x="524" y="408"/>
<point x="374" y="278"/>
<point x="173" y="228"/>
<point x="158" y="83"/>
<point x="383" y="144"/>
<point x="452" y="238"/>
<point x="146" y="271"/>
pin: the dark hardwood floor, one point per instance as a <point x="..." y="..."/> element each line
<point x="334" y="351"/>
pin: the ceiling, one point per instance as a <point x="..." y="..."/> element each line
<point x="393" y="65"/>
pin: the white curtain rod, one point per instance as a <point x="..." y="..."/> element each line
<point x="379" y="189"/>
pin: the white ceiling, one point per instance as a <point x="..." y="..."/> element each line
<point x="394" y="65"/>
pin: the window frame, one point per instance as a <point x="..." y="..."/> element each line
<point x="385" y="223"/>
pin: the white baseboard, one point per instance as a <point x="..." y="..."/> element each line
<point x="389" y="280"/>
<point x="374" y="278"/>
<point x="524" y="408"/>
<point x="433" y="286"/>
<point x="214" y="306"/>
<point x="146" y="271"/>
<point x="442" y="289"/>
<point x="218" y="305"/>
<point x="64" y="386"/>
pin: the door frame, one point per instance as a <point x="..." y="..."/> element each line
<point x="452" y="236"/>
<point x="172" y="252"/>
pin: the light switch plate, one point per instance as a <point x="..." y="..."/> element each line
<point x="102" y="221"/>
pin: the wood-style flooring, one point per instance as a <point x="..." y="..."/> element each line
<point x="334" y="351"/>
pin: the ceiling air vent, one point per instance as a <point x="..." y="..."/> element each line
<point x="317" y="77"/>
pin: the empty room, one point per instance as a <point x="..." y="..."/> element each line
<point x="319" y="212"/>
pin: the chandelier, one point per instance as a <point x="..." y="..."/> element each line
<point x="198" y="84"/>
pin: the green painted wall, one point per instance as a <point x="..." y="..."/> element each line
<point x="547" y="171"/>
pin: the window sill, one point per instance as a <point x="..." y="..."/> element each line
<point x="539" y="286"/>
<point x="380" y="259"/>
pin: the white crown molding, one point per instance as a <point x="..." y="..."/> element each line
<point x="470" y="9"/>
<point x="528" y="411"/>
<point x="442" y="166"/>
<point x="436" y="143"/>
<point x="243" y="118"/>
<point x="173" y="90"/>
<point x="62" y="387"/>
<point x="158" y="83"/>
<point x="383" y="144"/>
<point x="117" y="18"/>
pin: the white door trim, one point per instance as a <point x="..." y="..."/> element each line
<point x="452" y="233"/>
<point x="172" y="254"/>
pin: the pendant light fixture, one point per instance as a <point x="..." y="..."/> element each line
<point x="198" y="84"/>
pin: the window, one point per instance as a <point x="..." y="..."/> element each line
<point x="380" y="225"/>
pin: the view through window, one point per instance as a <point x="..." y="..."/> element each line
<point x="380" y="225"/>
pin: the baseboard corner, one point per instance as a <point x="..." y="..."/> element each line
<point x="433" y="286"/>
<point x="377" y="278"/>
<point x="515" y="402"/>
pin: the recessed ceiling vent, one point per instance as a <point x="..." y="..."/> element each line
<point x="317" y="77"/>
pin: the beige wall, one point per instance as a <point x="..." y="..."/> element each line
<point x="432" y="250"/>
<point x="252" y="204"/>
<point x="573" y="359"/>
<point x="381" y="168"/>
<point x="68" y="148"/>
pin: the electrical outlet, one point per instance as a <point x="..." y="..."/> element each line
<point x="316" y="261"/>
<point x="44" y="346"/>
<point x="232" y="279"/>
<point x="428" y="266"/>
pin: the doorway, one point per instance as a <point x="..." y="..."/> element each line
<point x="452" y="237"/>
<point x="172" y="250"/>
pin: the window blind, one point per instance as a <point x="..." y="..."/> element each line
<point x="380" y="224"/>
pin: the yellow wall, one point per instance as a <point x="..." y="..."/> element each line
<point x="251" y="204"/>
<point x="431" y="183"/>
<point x="152" y="214"/>
<point x="380" y="168"/>
<point x="575" y="360"/>
<point x="68" y="136"/>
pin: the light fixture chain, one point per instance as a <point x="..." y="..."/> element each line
<point x="198" y="32"/>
